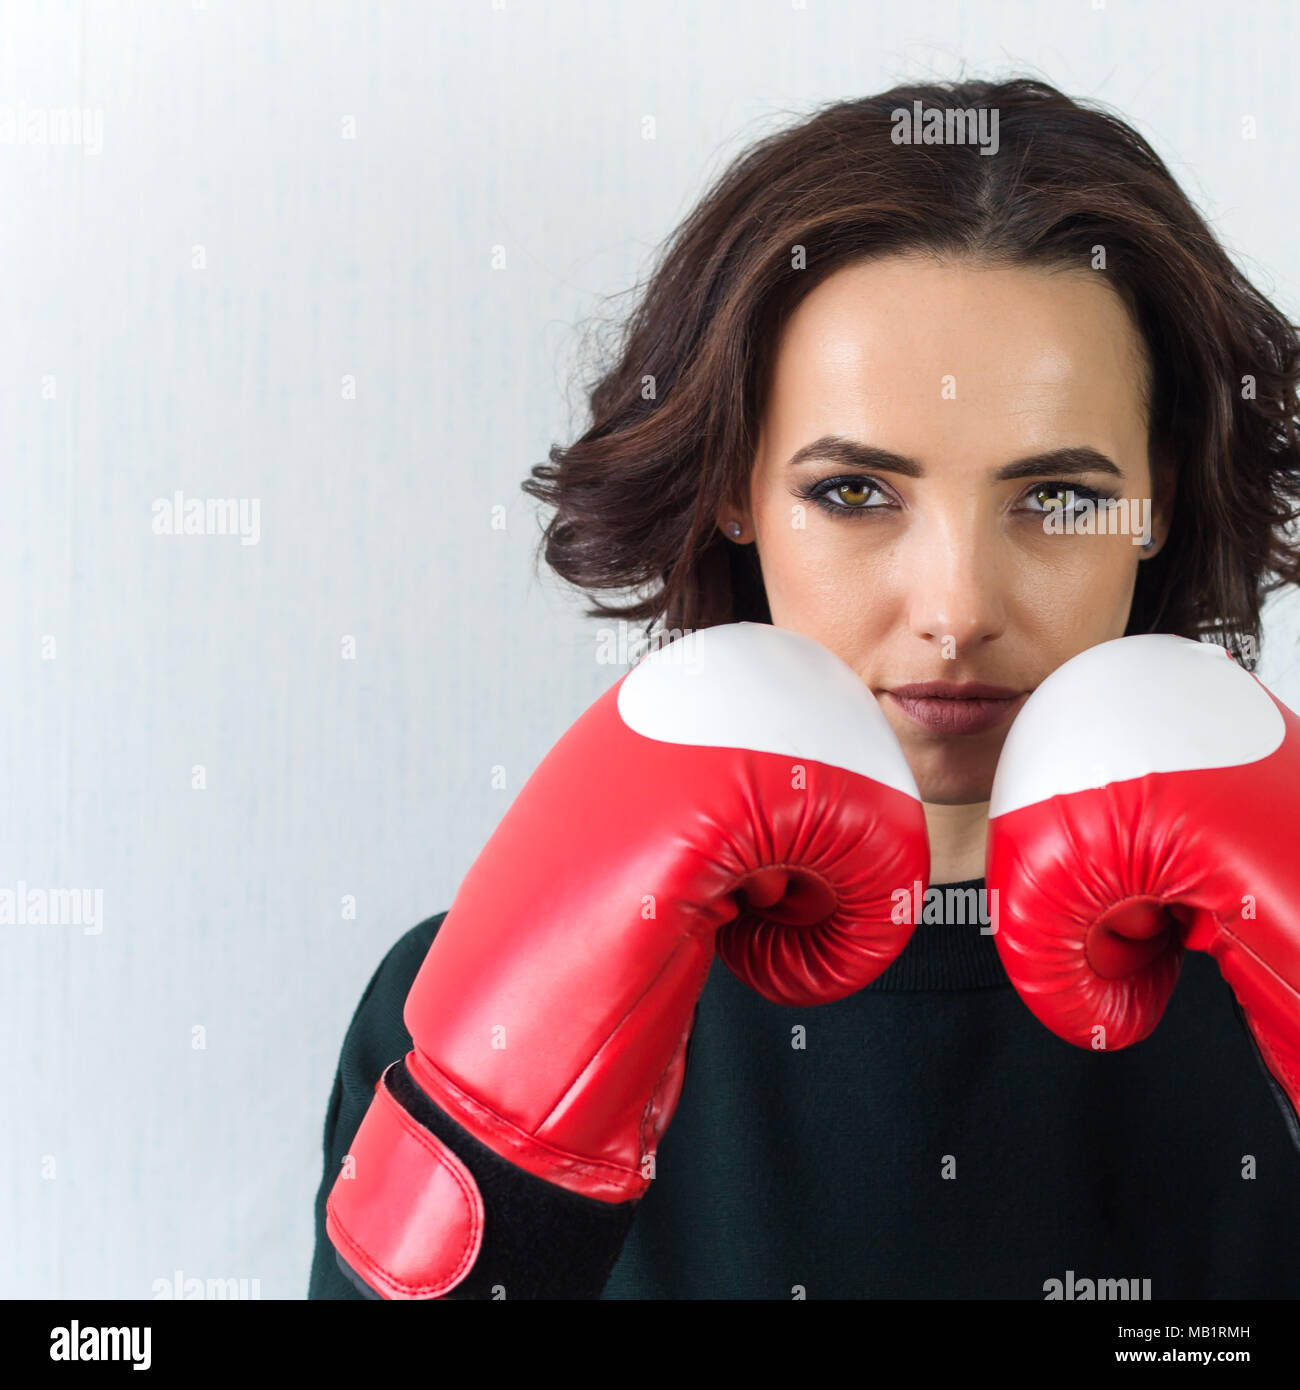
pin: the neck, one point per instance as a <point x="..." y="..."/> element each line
<point x="958" y="835"/>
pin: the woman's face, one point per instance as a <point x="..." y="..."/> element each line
<point x="929" y="558"/>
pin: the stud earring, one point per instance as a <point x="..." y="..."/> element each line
<point x="735" y="528"/>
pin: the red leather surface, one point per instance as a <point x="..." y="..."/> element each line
<point x="409" y="1217"/>
<point x="551" y="1013"/>
<point x="1102" y="890"/>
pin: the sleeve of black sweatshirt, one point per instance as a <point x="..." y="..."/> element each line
<point x="1290" y="1120"/>
<point x="539" y="1240"/>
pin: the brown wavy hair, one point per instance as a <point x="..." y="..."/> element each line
<point x="674" y="417"/>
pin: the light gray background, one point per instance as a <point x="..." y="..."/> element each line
<point x="127" y="374"/>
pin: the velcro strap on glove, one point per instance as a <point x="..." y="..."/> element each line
<point x="405" y="1212"/>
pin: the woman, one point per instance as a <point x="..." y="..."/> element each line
<point x="880" y="393"/>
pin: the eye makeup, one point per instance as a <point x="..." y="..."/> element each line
<point x="821" y="492"/>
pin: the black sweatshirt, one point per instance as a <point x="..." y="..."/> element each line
<point x="926" y="1137"/>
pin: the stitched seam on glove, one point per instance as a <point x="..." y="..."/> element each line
<point x="519" y="1140"/>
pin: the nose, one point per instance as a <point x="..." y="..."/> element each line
<point x="954" y="577"/>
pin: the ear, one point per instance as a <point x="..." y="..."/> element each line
<point x="1164" y="487"/>
<point x="728" y="519"/>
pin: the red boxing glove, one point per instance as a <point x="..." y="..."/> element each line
<point x="1147" y="800"/>
<point x="739" y="788"/>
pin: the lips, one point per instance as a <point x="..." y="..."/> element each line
<point x="945" y="707"/>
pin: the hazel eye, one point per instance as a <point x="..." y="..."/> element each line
<point x="846" y="496"/>
<point x="853" y="495"/>
<point x="1064" y="497"/>
<point x="1059" y="497"/>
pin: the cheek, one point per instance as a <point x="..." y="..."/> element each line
<point x="825" y="577"/>
<point x="1086" y="579"/>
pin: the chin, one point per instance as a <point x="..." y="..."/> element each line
<point x="959" y="785"/>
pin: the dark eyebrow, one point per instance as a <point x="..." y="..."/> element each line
<point x="1065" y="462"/>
